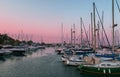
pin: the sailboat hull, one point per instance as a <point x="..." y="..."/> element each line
<point x="100" y="70"/>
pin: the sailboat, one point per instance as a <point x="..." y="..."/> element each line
<point x="60" y="50"/>
<point x="78" y="53"/>
<point x="103" y="68"/>
<point x="98" y="66"/>
<point x="76" y="58"/>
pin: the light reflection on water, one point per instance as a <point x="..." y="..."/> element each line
<point x="41" y="52"/>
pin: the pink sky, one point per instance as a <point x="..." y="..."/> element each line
<point x="43" y="18"/>
<point x="36" y="29"/>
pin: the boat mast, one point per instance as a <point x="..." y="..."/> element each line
<point x="71" y="35"/>
<point x="118" y="37"/>
<point x="89" y="35"/>
<point x="94" y="45"/>
<point x="113" y="25"/>
<point x="81" y="31"/>
<point x="98" y="30"/>
<point x="103" y="42"/>
<point x="74" y="34"/>
<point x="91" y="29"/>
<point x="62" y="34"/>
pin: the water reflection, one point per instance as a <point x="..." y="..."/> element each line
<point x="40" y="63"/>
<point x="41" y="52"/>
<point x="28" y="54"/>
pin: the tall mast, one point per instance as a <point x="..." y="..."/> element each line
<point x="81" y="31"/>
<point x="89" y="36"/>
<point x="62" y="34"/>
<point x="98" y="34"/>
<point x="94" y="46"/>
<point x="118" y="37"/>
<point x="92" y="29"/>
<point x="102" y="42"/>
<point x="71" y="35"/>
<point x="74" y="34"/>
<point x="113" y="25"/>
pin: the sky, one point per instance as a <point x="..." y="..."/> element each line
<point x="40" y="20"/>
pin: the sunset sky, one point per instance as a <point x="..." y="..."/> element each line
<point x="38" y="19"/>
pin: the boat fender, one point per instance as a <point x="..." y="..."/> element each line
<point x="67" y="62"/>
<point x="104" y="71"/>
<point x="109" y="71"/>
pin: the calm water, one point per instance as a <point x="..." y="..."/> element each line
<point x="42" y="63"/>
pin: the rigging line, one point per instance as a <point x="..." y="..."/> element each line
<point x="86" y="34"/>
<point x="118" y="5"/>
<point x="102" y="26"/>
<point x="102" y="40"/>
<point x="98" y="34"/>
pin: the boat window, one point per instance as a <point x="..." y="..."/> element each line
<point x="118" y="64"/>
<point x="102" y="64"/>
<point x="108" y="64"/>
